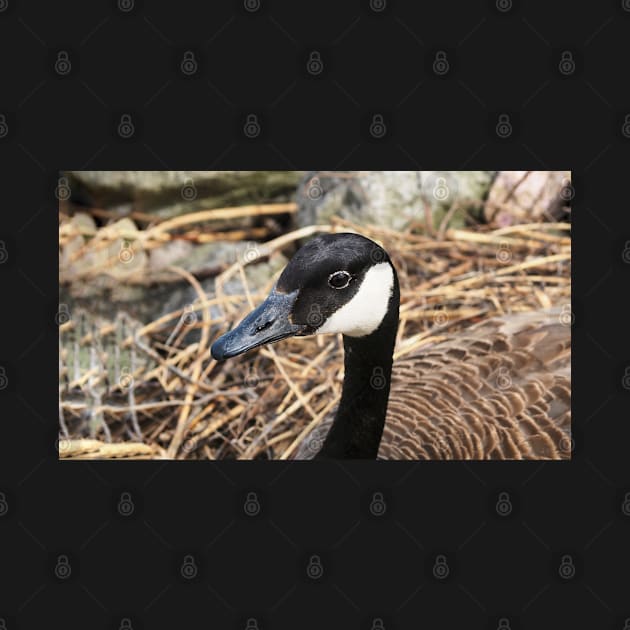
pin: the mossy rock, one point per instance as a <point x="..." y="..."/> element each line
<point x="392" y="199"/>
<point x="172" y="193"/>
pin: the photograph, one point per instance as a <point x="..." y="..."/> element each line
<point x="300" y="315"/>
<point x="311" y="399"/>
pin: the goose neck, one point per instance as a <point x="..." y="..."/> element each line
<point x="358" y="425"/>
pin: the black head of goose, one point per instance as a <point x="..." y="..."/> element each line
<point x="501" y="390"/>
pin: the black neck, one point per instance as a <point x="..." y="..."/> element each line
<point x="358" y="425"/>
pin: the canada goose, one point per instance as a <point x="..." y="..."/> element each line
<point x="499" y="390"/>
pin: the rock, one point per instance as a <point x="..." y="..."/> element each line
<point x="128" y="256"/>
<point x="83" y="256"/>
<point x="71" y="261"/>
<point x="170" y="253"/>
<point x="529" y="196"/>
<point x="196" y="258"/>
<point x="391" y="199"/>
<point x="171" y="193"/>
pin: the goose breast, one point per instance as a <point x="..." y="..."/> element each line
<point x="498" y="390"/>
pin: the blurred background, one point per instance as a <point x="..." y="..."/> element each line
<point x="154" y="265"/>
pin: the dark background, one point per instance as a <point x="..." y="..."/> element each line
<point x="123" y="570"/>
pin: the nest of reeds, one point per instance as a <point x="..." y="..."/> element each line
<point x="128" y="390"/>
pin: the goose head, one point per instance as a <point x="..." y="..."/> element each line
<point x="336" y="283"/>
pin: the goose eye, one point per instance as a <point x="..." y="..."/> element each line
<point x="339" y="279"/>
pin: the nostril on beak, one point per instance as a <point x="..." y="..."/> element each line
<point x="263" y="326"/>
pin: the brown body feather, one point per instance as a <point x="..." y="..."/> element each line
<point x="498" y="390"/>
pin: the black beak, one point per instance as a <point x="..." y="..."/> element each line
<point x="265" y="324"/>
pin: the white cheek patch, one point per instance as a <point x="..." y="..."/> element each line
<point x="363" y="314"/>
